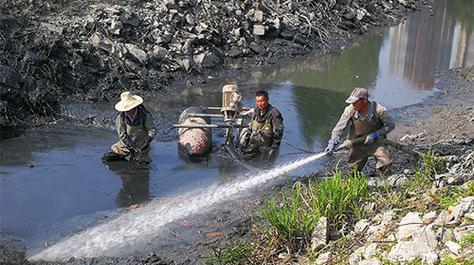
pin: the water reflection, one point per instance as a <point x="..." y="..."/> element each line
<point x="135" y="183"/>
<point x="424" y="45"/>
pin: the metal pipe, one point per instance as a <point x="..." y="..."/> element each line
<point x="207" y="126"/>
<point x="205" y="115"/>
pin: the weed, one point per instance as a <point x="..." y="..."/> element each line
<point x="468" y="239"/>
<point x="294" y="218"/>
<point x="424" y="175"/>
<point x="450" y="197"/>
<point x="446" y="260"/>
<point x="470" y="188"/>
<point x="232" y="254"/>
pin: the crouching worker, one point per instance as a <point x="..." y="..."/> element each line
<point x="364" y="118"/>
<point x="135" y="128"/>
<point x="260" y="143"/>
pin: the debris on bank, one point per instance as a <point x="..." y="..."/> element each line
<point x="92" y="50"/>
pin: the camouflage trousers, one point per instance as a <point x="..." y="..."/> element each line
<point x="135" y="156"/>
<point x="359" y="155"/>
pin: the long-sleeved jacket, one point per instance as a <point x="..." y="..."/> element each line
<point x="377" y="119"/>
<point x="138" y="132"/>
<point x="266" y="127"/>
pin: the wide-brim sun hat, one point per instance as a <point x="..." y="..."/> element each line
<point x="128" y="101"/>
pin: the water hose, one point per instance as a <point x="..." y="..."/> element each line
<point x="360" y="141"/>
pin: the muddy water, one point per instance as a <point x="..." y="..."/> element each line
<point x="52" y="182"/>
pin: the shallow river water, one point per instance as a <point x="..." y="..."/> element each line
<point x="53" y="184"/>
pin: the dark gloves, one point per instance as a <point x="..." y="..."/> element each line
<point x="272" y="152"/>
<point x="332" y="144"/>
<point x="371" y="138"/>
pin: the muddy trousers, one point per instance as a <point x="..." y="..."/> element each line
<point x="359" y="155"/>
<point x="140" y="157"/>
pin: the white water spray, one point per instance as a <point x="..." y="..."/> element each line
<point x="132" y="229"/>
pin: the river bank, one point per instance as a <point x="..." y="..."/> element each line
<point x="90" y="51"/>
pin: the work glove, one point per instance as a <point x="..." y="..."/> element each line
<point x="371" y="138"/>
<point x="332" y="144"/>
<point x="272" y="152"/>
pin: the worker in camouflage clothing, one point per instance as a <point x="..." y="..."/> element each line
<point x="135" y="128"/>
<point x="260" y="143"/>
<point x="364" y="118"/>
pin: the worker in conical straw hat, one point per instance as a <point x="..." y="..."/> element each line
<point x="364" y="118"/>
<point x="135" y="128"/>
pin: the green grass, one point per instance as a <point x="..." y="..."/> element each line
<point x="424" y="175"/>
<point x="448" y="261"/>
<point x="468" y="239"/>
<point x="293" y="217"/>
<point x="232" y="254"/>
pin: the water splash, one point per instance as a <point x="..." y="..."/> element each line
<point x="131" y="230"/>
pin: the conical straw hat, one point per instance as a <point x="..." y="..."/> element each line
<point x="128" y="101"/>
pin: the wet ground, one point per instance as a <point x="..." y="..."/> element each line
<point x="52" y="182"/>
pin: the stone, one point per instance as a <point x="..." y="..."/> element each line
<point x="258" y="30"/>
<point x="52" y="28"/>
<point x="320" y="235"/>
<point x="407" y="251"/>
<point x="206" y="59"/>
<point x="323" y="258"/>
<point x="361" y="226"/>
<point x="189" y="19"/>
<point x="444" y="217"/>
<point x="258" y="15"/>
<point x="115" y="27"/>
<point x="136" y="53"/>
<point x="454" y="247"/>
<point x="397" y="180"/>
<point x="408" y="225"/>
<point x="186" y="64"/>
<point x="426" y="235"/>
<point x="466" y="206"/>
<point x="370" y="251"/>
<point x="429" y="217"/>
<point x="99" y="41"/>
<point x="127" y="18"/>
<point x="255" y="48"/>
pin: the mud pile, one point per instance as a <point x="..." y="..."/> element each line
<point x="91" y="50"/>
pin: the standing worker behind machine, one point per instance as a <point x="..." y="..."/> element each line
<point x="261" y="141"/>
<point x="135" y="128"/>
<point x="364" y="118"/>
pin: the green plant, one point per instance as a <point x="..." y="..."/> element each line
<point x="232" y="254"/>
<point x="470" y="188"/>
<point x="446" y="260"/>
<point x="337" y="195"/>
<point x="450" y="197"/>
<point x="293" y="218"/>
<point x="424" y="175"/>
<point x="468" y="239"/>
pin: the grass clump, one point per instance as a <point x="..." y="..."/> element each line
<point x="424" y="175"/>
<point x="468" y="239"/>
<point x="293" y="218"/>
<point x="232" y="254"/>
